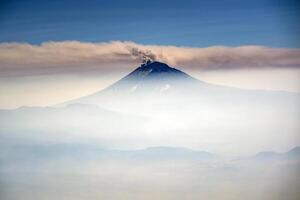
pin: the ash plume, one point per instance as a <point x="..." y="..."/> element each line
<point x="142" y="55"/>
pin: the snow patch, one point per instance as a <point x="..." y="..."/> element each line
<point x="133" y="89"/>
<point x="165" y="88"/>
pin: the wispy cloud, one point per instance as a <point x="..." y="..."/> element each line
<point x="75" y="56"/>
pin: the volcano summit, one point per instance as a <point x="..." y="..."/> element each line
<point x="152" y="76"/>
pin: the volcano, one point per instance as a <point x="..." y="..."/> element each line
<point x="152" y="76"/>
<point x="151" y="80"/>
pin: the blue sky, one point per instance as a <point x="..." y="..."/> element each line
<point x="185" y="23"/>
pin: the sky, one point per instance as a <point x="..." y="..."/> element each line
<point x="49" y="49"/>
<point x="168" y="22"/>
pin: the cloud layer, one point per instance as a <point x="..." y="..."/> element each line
<point x="18" y="59"/>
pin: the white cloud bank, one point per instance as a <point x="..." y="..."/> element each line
<point x="18" y="59"/>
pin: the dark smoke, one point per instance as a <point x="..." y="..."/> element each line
<point x="142" y="55"/>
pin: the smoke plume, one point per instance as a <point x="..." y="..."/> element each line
<point x="142" y="55"/>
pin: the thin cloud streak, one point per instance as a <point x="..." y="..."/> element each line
<point x="19" y="59"/>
